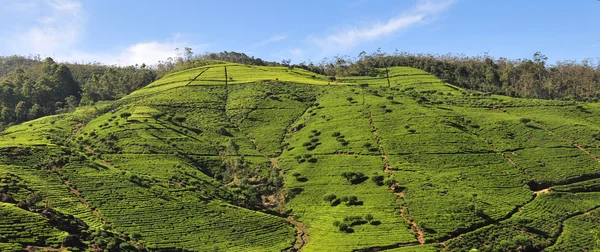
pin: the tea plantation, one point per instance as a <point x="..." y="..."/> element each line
<point x="232" y="157"/>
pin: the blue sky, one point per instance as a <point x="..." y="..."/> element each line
<point x="128" y="32"/>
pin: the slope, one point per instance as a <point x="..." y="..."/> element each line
<point x="246" y="158"/>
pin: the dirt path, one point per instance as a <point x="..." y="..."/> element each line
<point x="82" y="200"/>
<point x="302" y="235"/>
<point x="587" y="152"/>
<point x="387" y="168"/>
<point x="543" y="191"/>
<point x="38" y="248"/>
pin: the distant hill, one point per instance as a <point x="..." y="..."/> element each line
<point x="233" y="157"/>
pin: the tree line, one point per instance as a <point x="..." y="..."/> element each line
<point x="188" y="59"/>
<point x="528" y="78"/>
<point x="31" y="87"/>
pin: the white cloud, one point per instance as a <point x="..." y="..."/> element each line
<point x="297" y="52"/>
<point x="58" y="29"/>
<point x="149" y="53"/>
<point x="60" y="26"/>
<point x="422" y="12"/>
<point x="272" y="39"/>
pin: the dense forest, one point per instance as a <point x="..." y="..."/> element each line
<point x="31" y="87"/>
<point x="529" y="78"/>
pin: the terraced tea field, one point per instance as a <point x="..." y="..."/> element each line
<point x="231" y="157"/>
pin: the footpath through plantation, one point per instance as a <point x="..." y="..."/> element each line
<point x="231" y="157"/>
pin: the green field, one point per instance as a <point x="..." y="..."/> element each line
<point x="233" y="157"/>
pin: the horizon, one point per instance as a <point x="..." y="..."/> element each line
<point x="116" y="33"/>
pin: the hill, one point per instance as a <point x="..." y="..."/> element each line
<point x="233" y="157"/>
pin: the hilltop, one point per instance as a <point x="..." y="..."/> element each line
<point x="233" y="157"/>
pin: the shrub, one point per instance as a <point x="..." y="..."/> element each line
<point x="312" y="160"/>
<point x="125" y="115"/>
<point x="390" y="182"/>
<point x="343" y="227"/>
<point x="378" y="179"/>
<point x="336" y="134"/>
<point x="223" y="132"/>
<point x="525" y="120"/>
<point x="369" y="217"/>
<point x="349" y="99"/>
<point x="351" y="220"/>
<point x="354" y="177"/>
<point x="329" y="197"/>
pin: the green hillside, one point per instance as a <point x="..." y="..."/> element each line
<point x="232" y="157"/>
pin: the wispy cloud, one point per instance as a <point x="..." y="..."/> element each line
<point x="272" y="39"/>
<point x="150" y="53"/>
<point x="423" y="12"/>
<point x="58" y="30"/>
<point x="297" y="52"/>
<point x="59" y="25"/>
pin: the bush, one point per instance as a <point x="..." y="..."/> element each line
<point x="351" y="220"/>
<point x="125" y="115"/>
<point x="336" y="134"/>
<point x="390" y="182"/>
<point x="354" y="177"/>
<point x="369" y="217"/>
<point x="223" y="132"/>
<point x="343" y="227"/>
<point x="329" y="197"/>
<point x="180" y="119"/>
<point x="378" y="179"/>
<point x="525" y="120"/>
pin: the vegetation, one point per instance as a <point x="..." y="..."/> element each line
<point x="269" y="160"/>
<point x="31" y="87"/>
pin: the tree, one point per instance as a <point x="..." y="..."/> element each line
<point x="187" y="53"/>
<point x="330" y="198"/>
<point x="6" y="114"/>
<point x="35" y="112"/>
<point x="354" y="177"/>
<point x="21" y="111"/>
<point x="296" y="175"/>
<point x="525" y="120"/>
<point x="71" y="102"/>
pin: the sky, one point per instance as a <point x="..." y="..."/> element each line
<point x="134" y="32"/>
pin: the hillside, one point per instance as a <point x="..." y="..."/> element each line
<point x="232" y="157"/>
